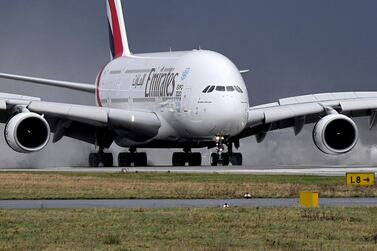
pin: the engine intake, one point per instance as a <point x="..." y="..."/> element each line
<point x="27" y="132"/>
<point x="335" y="134"/>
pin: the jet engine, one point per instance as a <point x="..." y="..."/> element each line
<point x="27" y="132"/>
<point x="335" y="134"/>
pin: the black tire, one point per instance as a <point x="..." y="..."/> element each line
<point x="195" y="159"/>
<point x="108" y="160"/>
<point x="225" y="159"/>
<point x="141" y="159"/>
<point x="214" y="159"/>
<point x="179" y="159"/>
<point x="236" y="159"/>
<point x="94" y="160"/>
<point x="124" y="160"/>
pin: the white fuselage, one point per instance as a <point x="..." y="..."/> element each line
<point x="171" y="85"/>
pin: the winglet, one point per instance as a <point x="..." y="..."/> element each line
<point x="118" y="36"/>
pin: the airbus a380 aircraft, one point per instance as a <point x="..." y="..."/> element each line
<point x="184" y="100"/>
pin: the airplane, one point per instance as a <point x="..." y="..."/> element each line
<point x="174" y="100"/>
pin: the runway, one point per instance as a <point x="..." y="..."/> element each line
<point x="204" y="203"/>
<point x="262" y="170"/>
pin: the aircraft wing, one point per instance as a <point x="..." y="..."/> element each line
<point x="297" y="111"/>
<point x="50" y="82"/>
<point x="81" y="122"/>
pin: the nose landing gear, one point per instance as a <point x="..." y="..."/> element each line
<point x="222" y="157"/>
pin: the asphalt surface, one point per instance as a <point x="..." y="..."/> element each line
<point x="81" y="204"/>
<point x="274" y="170"/>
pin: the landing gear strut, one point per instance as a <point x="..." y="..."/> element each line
<point x="224" y="158"/>
<point x="126" y="159"/>
<point x="181" y="158"/>
<point x="103" y="140"/>
<point x="96" y="159"/>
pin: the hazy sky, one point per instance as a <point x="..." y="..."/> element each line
<point x="293" y="47"/>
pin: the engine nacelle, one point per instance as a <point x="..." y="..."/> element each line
<point x="335" y="134"/>
<point x="27" y="132"/>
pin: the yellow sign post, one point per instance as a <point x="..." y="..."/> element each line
<point x="360" y="179"/>
<point x="308" y="199"/>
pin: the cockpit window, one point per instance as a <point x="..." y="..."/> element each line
<point x="230" y="88"/>
<point x="206" y="89"/>
<point x="211" y="89"/>
<point x="220" y="88"/>
<point x="238" y="89"/>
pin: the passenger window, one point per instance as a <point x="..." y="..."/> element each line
<point x="230" y="88"/>
<point x="211" y="89"/>
<point x="206" y="89"/>
<point x="220" y="88"/>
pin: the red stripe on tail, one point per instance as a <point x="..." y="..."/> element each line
<point x="118" y="44"/>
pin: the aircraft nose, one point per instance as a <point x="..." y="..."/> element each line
<point x="230" y="116"/>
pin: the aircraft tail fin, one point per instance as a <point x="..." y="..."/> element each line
<point x="117" y="29"/>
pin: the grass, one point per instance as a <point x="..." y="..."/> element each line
<point x="29" y="185"/>
<point x="190" y="229"/>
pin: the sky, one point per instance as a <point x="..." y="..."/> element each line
<point x="293" y="47"/>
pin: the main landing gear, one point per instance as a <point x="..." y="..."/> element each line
<point x="181" y="158"/>
<point x="96" y="159"/>
<point x="220" y="157"/>
<point x="126" y="159"/>
<point x="103" y="140"/>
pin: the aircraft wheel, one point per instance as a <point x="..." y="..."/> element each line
<point x="108" y="160"/>
<point x="225" y="159"/>
<point x="141" y="159"/>
<point x="94" y="160"/>
<point x="236" y="159"/>
<point x="214" y="159"/>
<point x="195" y="159"/>
<point x="124" y="159"/>
<point x="179" y="159"/>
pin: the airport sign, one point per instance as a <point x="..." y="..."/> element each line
<point x="360" y="179"/>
